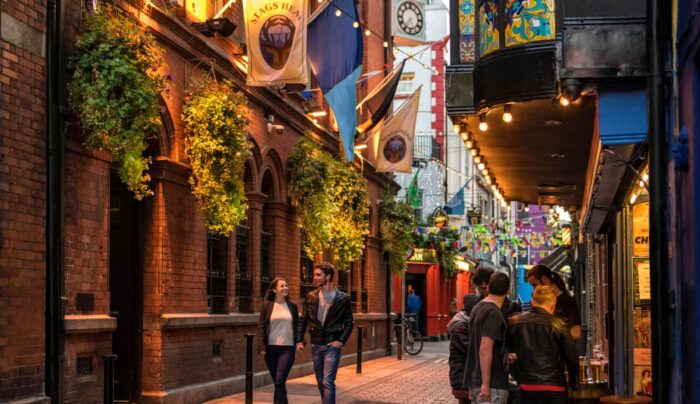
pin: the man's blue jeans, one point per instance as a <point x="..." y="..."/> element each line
<point x="326" y="360"/>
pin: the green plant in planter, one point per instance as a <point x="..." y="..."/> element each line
<point x="217" y="146"/>
<point x="396" y="226"/>
<point x="331" y="201"/>
<point x="115" y="91"/>
<point x="445" y="241"/>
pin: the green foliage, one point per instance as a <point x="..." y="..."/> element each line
<point x="445" y="241"/>
<point x="217" y="147"/>
<point x="331" y="201"/>
<point x="115" y="91"/>
<point x="396" y="226"/>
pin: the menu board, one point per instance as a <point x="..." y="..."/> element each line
<point x="642" y="283"/>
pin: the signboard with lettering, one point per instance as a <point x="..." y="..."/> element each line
<point x="640" y="230"/>
<point x="642" y="283"/>
<point x="423" y="255"/>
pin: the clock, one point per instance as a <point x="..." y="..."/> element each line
<point x="410" y="18"/>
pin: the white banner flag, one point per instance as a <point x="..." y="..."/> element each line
<point x="395" y="148"/>
<point x="276" y="39"/>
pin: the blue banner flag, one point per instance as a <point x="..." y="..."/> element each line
<point x="335" y="55"/>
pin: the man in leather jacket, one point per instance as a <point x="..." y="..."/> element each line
<point x="328" y="315"/>
<point x="542" y="348"/>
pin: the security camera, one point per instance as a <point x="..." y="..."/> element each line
<point x="275" y="128"/>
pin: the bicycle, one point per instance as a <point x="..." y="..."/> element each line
<point x="412" y="339"/>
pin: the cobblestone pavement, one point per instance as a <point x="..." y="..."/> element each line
<point x="425" y="383"/>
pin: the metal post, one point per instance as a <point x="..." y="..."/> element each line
<point x="360" y="332"/>
<point x="109" y="378"/>
<point x="249" y="368"/>
<point x="399" y="339"/>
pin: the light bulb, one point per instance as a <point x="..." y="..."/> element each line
<point x="455" y="128"/>
<point x="494" y="188"/>
<point x="487" y="178"/>
<point x="338" y="13"/>
<point x="507" y="116"/>
<point x="356" y="24"/>
<point x="484" y="172"/>
<point x="526" y="208"/>
<point x="565" y="102"/>
<point x="386" y="44"/>
<point x="633" y="199"/>
<point x="465" y="136"/>
<point x="474" y="152"/>
<point x="483" y="126"/>
<point x="368" y="32"/>
<point x="469" y="144"/>
<point x="481" y="166"/>
<point x="477" y="160"/>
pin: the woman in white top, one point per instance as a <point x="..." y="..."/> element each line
<point x="277" y="331"/>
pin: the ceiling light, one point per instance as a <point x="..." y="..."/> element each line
<point x="494" y="188"/>
<point x="483" y="126"/>
<point x="507" y="116"/>
<point x="465" y="136"/>
<point x="455" y="128"/>
<point x="487" y="178"/>
<point x="485" y="172"/>
<point x="469" y="144"/>
<point x="474" y="152"/>
<point x="477" y="160"/>
<point x="481" y="166"/>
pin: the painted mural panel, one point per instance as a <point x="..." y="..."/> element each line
<point x="529" y="21"/>
<point x="467" y="24"/>
<point x="489" y="36"/>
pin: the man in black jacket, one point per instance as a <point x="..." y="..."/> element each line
<point x="458" y="328"/>
<point x="542" y="348"/>
<point x="328" y="315"/>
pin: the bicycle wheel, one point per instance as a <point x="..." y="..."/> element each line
<point x="416" y="342"/>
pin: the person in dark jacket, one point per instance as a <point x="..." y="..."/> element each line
<point x="277" y="333"/>
<point x="328" y="315"/>
<point x="542" y="347"/>
<point x="481" y="281"/>
<point x="458" y="328"/>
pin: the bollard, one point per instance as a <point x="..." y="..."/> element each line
<point x="360" y="330"/>
<point x="399" y="340"/>
<point x="249" y="369"/>
<point x="108" y="361"/>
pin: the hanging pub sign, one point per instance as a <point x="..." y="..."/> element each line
<point x="441" y="218"/>
<point x="640" y="230"/>
<point x="276" y="41"/>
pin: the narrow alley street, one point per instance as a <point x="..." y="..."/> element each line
<point x="419" y="379"/>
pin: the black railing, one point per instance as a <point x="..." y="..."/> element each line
<point x="265" y="275"/>
<point x="425" y="146"/>
<point x="217" y="274"/>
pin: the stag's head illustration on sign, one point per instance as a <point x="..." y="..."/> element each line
<point x="276" y="39"/>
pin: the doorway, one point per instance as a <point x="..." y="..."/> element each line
<point x="418" y="283"/>
<point x="125" y="287"/>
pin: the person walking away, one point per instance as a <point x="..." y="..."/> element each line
<point x="328" y="316"/>
<point x="277" y="333"/>
<point x="413" y="306"/>
<point x="458" y="328"/>
<point x="566" y="307"/>
<point x="486" y="368"/>
<point x="543" y="348"/>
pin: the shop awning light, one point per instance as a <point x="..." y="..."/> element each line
<point x="485" y="172"/>
<point x="487" y="178"/>
<point x="526" y="208"/>
<point x="474" y="152"/>
<point x="477" y="159"/>
<point x="507" y="116"/>
<point x="361" y="147"/>
<point x="456" y="128"/>
<point x="633" y="198"/>
<point x="465" y="136"/>
<point x="481" y="166"/>
<point x="469" y="144"/>
<point x="483" y="125"/>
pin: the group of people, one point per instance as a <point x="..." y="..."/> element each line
<point x="326" y="313"/>
<point x="492" y="340"/>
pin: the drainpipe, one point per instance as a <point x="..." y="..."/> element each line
<point x="53" y="205"/>
<point x="662" y="304"/>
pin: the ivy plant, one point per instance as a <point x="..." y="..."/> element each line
<point x="217" y="145"/>
<point x="115" y="91"/>
<point x="396" y="225"/>
<point x="331" y="201"/>
<point x="445" y="241"/>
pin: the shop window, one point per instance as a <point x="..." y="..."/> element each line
<point x="406" y="84"/>
<point x="217" y="273"/>
<point x="244" y="281"/>
<point x="343" y="281"/>
<point x="265" y="272"/>
<point x="363" y="279"/>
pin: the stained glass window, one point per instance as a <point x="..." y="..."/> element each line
<point x="489" y="37"/>
<point x="529" y="21"/>
<point x="467" y="47"/>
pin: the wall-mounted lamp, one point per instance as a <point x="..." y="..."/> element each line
<point x="316" y="112"/>
<point x="222" y="26"/>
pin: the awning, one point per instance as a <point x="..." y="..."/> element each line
<point x="622" y="125"/>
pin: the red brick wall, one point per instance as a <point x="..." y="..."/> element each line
<point x="22" y="206"/>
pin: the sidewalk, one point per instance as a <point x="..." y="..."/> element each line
<point x="419" y="379"/>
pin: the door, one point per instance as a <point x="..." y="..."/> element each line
<point x="125" y="287"/>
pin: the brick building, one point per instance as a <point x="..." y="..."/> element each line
<point x="143" y="280"/>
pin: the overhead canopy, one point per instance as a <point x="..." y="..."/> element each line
<point x="542" y="155"/>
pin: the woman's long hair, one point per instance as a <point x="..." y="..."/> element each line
<point x="539" y="271"/>
<point x="270" y="295"/>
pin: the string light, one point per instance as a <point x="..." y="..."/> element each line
<point x="386" y="44"/>
<point x="526" y="208"/>
<point x="469" y="144"/>
<point x="507" y="116"/>
<point x="368" y="32"/>
<point x="455" y="128"/>
<point x="474" y="152"/>
<point x="338" y="12"/>
<point x="355" y="24"/>
<point x="465" y="136"/>
<point x="564" y="101"/>
<point x="483" y="126"/>
<point x="477" y="160"/>
<point x="481" y="166"/>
